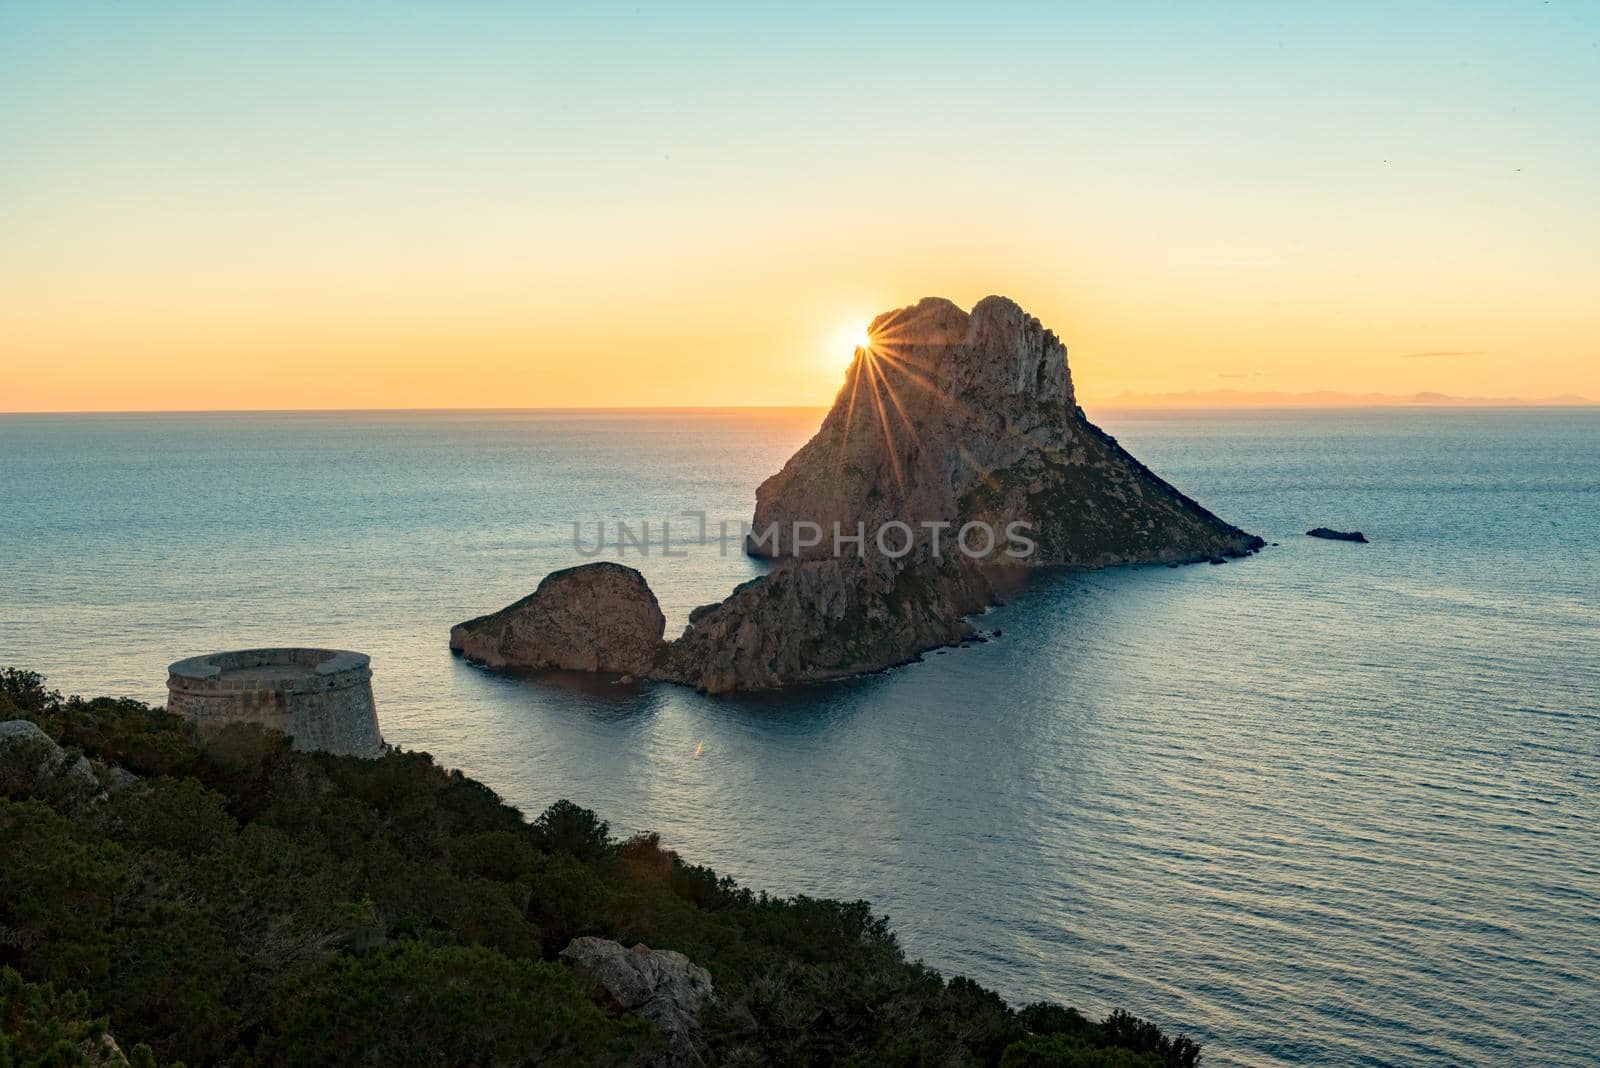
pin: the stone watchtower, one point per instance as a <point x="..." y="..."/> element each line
<point x="321" y="698"/>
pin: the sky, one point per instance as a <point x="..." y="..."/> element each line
<point x="346" y="205"/>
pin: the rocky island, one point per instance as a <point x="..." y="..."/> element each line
<point x="954" y="453"/>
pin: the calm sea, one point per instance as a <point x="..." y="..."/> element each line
<point x="1333" y="804"/>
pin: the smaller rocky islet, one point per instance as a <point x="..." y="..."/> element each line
<point x="596" y="617"/>
<point x="1329" y="534"/>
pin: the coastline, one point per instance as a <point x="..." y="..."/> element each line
<point x="442" y="891"/>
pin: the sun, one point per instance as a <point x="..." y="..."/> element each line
<point x="836" y="348"/>
<point x="850" y="337"/>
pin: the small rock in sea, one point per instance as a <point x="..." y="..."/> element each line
<point x="941" y="652"/>
<point x="1173" y="564"/>
<point x="1217" y="560"/>
<point x="626" y="680"/>
<point x="1337" y="535"/>
<point x="998" y="632"/>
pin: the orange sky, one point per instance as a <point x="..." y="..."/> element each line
<point x="437" y="214"/>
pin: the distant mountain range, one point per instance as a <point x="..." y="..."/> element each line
<point x="1324" y="398"/>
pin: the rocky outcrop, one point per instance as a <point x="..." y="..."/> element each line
<point x="598" y="617"/>
<point x="32" y="763"/>
<point x="950" y="418"/>
<point x="955" y="451"/>
<point x="102" y="1052"/>
<point x="809" y="620"/>
<point x="948" y="424"/>
<point x="1330" y="534"/>
<point x="659" y="985"/>
<point x="26" y="734"/>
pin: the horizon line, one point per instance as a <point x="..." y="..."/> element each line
<point x="1133" y="403"/>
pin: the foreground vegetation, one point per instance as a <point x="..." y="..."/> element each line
<point x="247" y="904"/>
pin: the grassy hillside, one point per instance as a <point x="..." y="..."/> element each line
<point x="247" y="904"/>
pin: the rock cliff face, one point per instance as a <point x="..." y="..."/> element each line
<point x="951" y="418"/>
<point x="598" y="617"/>
<point x="809" y="620"/>
<point x="955" y="449"/>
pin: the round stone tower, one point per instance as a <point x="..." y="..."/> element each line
<point x="322" y="698"/>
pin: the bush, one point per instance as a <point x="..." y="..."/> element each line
<point x="566" y="828"/>
<point x="40" y="1027"/>
<point x="431" y="1004"/>
<point x="1060" y="1051"/>
<point x="251" y="904"/>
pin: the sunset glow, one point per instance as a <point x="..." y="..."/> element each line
<point x="1120" y="479"/>
<point x="212" y="207"/>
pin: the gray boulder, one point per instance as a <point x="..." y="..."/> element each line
<point x="103" y="1052"/>
<point x="31" y="759"/>
<point x="26" y="732"/>
<point x="118" y="778"/>
<point x="659" y="985"/>
<point x="28" y="751"/>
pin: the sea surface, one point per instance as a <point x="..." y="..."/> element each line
<point x="1333" y="804"/>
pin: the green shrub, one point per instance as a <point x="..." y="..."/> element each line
<point x="566" y="828"/>
<point x="42" y="1028"/>
<point x="435" y="1004"/>
<point x="246" y="903"/>
<point x="1061" y="1051"/>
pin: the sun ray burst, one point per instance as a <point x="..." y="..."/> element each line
<point x="882" y="358"/>
<point x="871" y="364"/>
